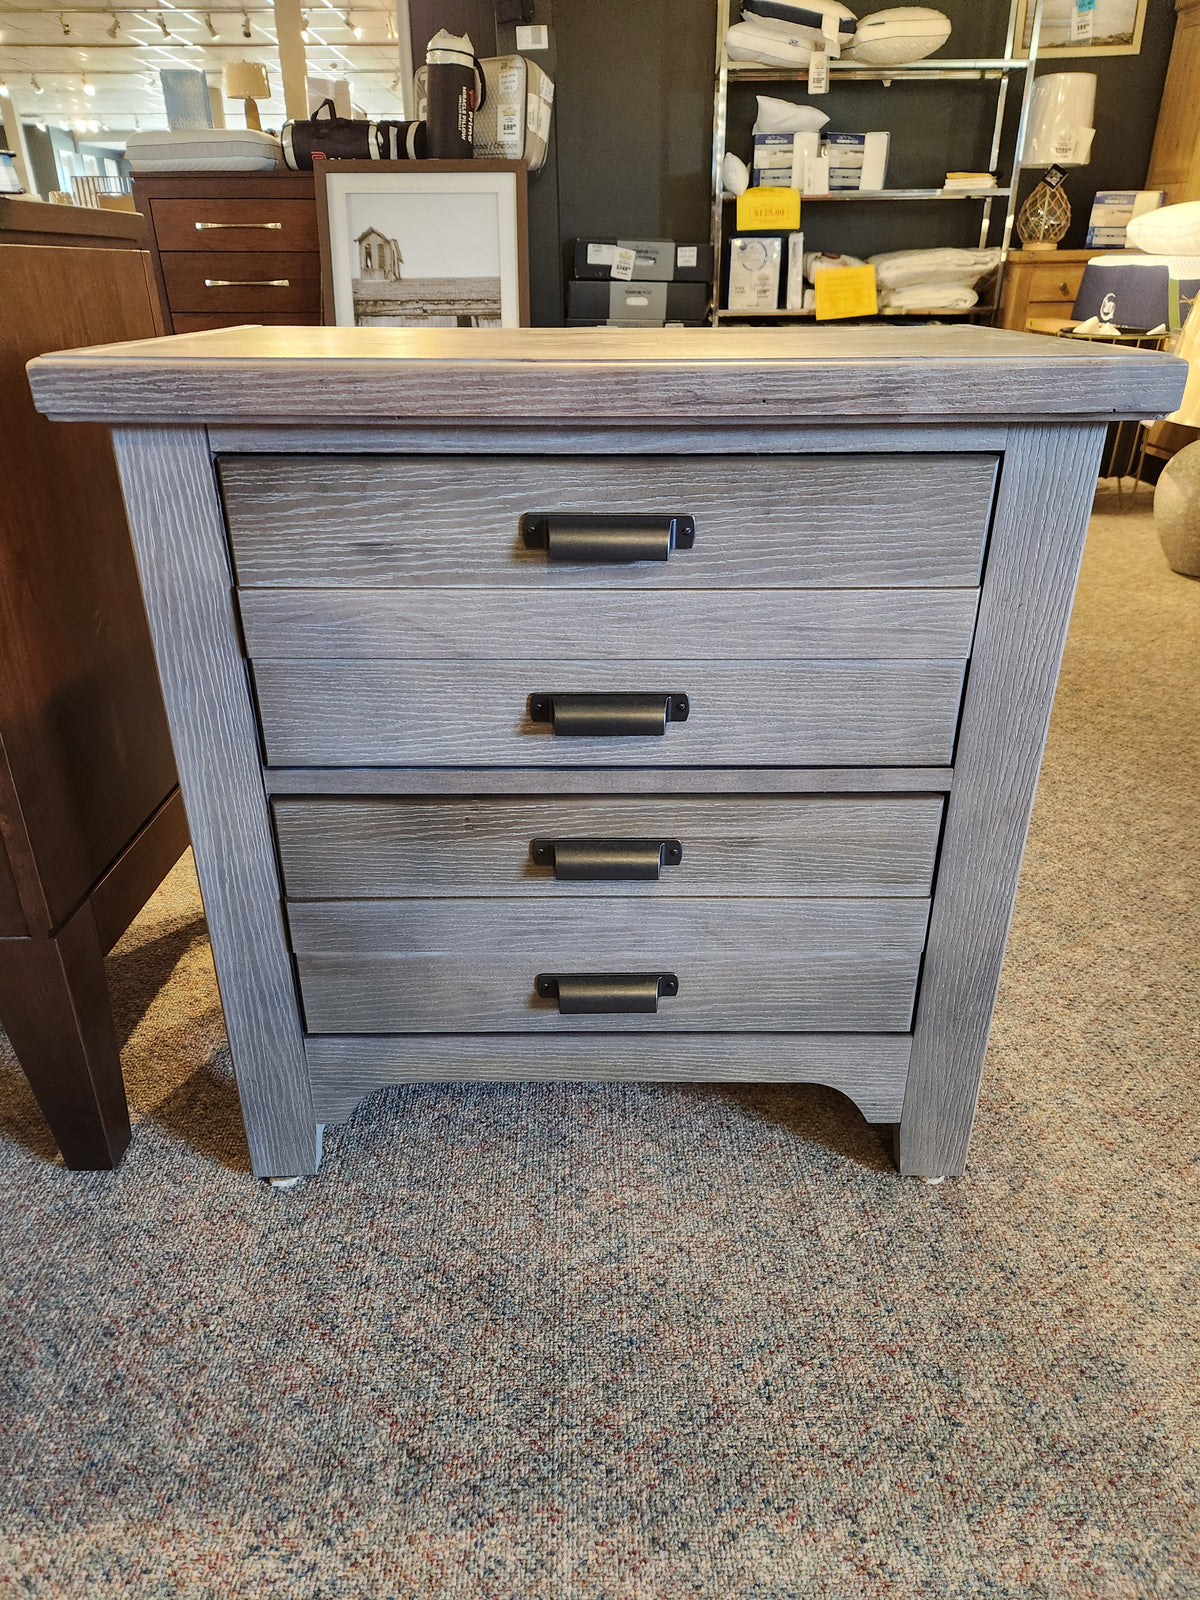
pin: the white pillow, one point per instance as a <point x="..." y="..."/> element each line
<point x="735" y="174"/>
<point x="903" y="33"/>
<point x="746" y="41"/>
<point x="824" y="22"/>
<point x="1169" y="231"/>
<point x="785" y="116"/>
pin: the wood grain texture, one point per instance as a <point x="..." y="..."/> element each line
<point x="918" y="374"/>
<point x="81" y="718"/>
<point x="1033" y="561"/>
<point x="234" y="224"/>
<point x="868" y="1069"/>
<point x="795" y="522"/>
<point x="336" y="849"/>
<point x="387" y="713"/>
<point x="854" y="436"/>
<point x="497" y="624"/>
<point x="138" y="870"/>
<point x="178" y="533"/>
<point x="508" y="781"/>
<point x="381" y="966"/>
<point x="242" y="282"/>
<point x="54" y="1007"/>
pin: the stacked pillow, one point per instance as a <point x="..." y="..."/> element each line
<point x="783" y="33"/>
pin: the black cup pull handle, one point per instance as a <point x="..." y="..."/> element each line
<point x="608" y="716"/>
<point x="584" y="994"/>
<point x="606" y="860"/>
<point x="604" y="540"/>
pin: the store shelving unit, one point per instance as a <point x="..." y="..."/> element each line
<point x="1000" y="71"/>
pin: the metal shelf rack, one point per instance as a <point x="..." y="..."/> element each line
<point x="999" y="70"/>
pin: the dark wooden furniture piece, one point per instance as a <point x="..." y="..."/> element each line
<point x="90" y="814"/>
<point x="484" y="783"/>
<point x="231" y="248"/>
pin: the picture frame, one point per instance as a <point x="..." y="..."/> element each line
<point x="423" y="243"/>
<point x="1116" y="29"/>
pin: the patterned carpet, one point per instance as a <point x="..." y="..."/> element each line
<point x="642" y="1343"/>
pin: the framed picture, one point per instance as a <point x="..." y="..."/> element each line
<point x="1116" y="28"/>
<point x="423" y="244"/>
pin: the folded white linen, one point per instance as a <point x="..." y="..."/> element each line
<point x="943" y="296"/>
<point x="896" y="268"/>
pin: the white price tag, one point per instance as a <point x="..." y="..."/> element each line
<point x="1081" y="24"/>
<point x="510" y="83"/>
<point x="623" y="263"/>
<point x="686" y="256"/>
<point x="818" y="73"/>
<point x="510" y="124"/>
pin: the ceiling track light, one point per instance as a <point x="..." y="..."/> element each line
<point x="114" y="26"/>
<point x="391" y="26"/>
<point x="5" y="91"/>
<point x="88" y="88"/>
<point x="208" y="23"/>
<point x="304" y="33"/>
<point x="162" y="22"/>
<point x="64" y="25"/>
<point x="35" y="85"/>
<point x="245" y="24"/>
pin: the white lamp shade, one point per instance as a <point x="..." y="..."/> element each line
<point x="245" y="80"/>
<point x="1062" y="120"/>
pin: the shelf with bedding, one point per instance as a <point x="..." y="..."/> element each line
<point x="981" y="62"/>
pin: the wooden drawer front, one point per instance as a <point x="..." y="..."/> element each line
<point x="242" y="282"/>
<point x="1054" y="284"/>
<point x="384" y="849"/>
<point x="701" y="625"/>
<point x="767" y="713"/>
<point x="259" y="225"/>
<point x="446" y="966"/>
<point x="761" y="521"/>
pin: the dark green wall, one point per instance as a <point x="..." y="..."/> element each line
<point x="634" y="128"/>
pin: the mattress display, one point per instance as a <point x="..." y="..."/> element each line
<point x="204" y="150"/>
<point x="513" y="123"/>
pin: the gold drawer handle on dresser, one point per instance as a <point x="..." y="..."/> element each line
<point x="205" y="227"/>
<point x="604" y="540"/>
<point x="606" y="860"/>
<point x="581" y="994"/>
<point x="608" y="716"/>
<point x="247" y="283"/>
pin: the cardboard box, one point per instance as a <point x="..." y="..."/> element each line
<point x="754" y="274"/>
<point x="856" y="160"/>
<point x="658" y="260"/>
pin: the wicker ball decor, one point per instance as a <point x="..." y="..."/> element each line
<point x="1044" y="218"/>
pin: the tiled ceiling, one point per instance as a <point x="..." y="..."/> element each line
<point x="101" y="64"/>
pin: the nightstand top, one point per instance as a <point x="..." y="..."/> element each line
<point x="829" y="374"/>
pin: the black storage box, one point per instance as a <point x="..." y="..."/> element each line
<point x="658" y="260"/>
<point x="615" y="301"/>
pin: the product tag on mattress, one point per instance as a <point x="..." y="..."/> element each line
<point x="600" y="255"/>
<point x="624" y="262"/>
<point x="818" y="73"/>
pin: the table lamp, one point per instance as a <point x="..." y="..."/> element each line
<point x="246" y="81"/>
<point x="1060" y="132"/>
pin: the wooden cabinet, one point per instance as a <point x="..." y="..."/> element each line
<point x="1175" y="157"/>
<point x="1039" y="284"/>
<point x="90" y="816"/>
<point x="231" y="248"/>
<point x="656" y="707"/>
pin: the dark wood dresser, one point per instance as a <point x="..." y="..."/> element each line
<point x="90" y="815"/>
<point x="232" y="248"/>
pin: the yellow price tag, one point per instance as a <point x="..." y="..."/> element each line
<point x="845" y="292"/>
<point x="769" y="208"/>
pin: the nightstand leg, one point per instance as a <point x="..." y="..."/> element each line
<point x="290" y="1183"/>
<point x="55" y="1009"/>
